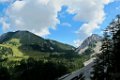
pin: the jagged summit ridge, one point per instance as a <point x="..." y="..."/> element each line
<point x="94" y="38"/>
<point x="30" y="41"/>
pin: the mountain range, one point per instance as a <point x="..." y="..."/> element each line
<point x="25" y="43"/>
<point x="90" y="46"/>
<point x="29" y="39"/>
<point x="20" y="45"/>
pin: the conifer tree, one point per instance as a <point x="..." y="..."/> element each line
<point x="114" y="29"/>
<point x="107" y="64"/>
<point x="102" y="60"/>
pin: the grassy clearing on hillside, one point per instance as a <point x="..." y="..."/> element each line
<point x="13" y="44"/>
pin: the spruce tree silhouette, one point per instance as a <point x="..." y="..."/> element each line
<point x="4" y="74"/>
<point x="39" y="70"/>
<point x="107" y="64"/>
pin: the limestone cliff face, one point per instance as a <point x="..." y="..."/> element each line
<point x="89" y="42"/>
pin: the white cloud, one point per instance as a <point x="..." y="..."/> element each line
<point x="91" y="12"/>
<point x="39" y="16"/>
<point x="66" y="24"/>
<point x="4" y="1"/>
<point x="77" y="42"/>
<point x="36" y="16"/>
<point x="4" y="24"/>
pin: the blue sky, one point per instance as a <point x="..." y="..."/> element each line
<point x="65" y="21"/>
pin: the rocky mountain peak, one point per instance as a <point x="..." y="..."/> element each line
<point x="94" y="38"/>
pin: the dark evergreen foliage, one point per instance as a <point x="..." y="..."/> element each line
<point x="4" y="74"/>
<point x="107" y="64"/>
<point x="38" y="70"/>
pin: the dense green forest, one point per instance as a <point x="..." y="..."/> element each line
<point x="26" y="59"/>
<point x="25" y="56"/>
<point x="46" y="68"/>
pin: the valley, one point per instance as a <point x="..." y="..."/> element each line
<point x="23" y="46"/>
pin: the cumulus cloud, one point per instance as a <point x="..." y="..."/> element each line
<point x="4" y="23"/>
<point x="4" y="1"/>
<point x="77" y="42"/>
<point x="66" y="24"/>
<point x="36" y="16"/>
<point x="91" y="12"/>
<point x="40" y="15"/>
